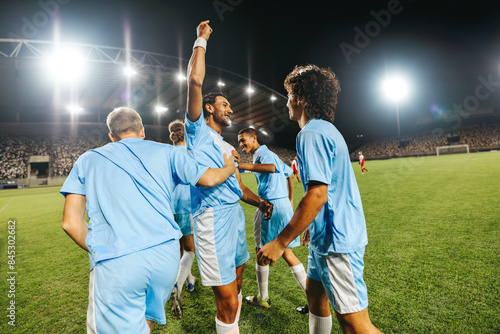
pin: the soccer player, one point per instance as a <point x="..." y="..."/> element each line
<point x="132" y="239"/>
<point x="362" y="162"/>
<point x="295" y="169"/>
<point x="181" y="202"/>
<point x="272" y="176"/>
<point x="331" y="208"/>
<point x="220" y="232"/>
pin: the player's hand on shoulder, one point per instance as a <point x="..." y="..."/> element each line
<point x="229" y="162"/>
<point x="204" y="30"/>
<point x="236" y="156"/>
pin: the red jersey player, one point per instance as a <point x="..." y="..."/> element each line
<point x="295" y="169"/>
<point x="362" y="162"/>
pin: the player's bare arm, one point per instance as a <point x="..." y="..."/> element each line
<point x="291" y="187"/>
<point x="249" y="197"/>
<point x="196" y="74"/>
<point x="259" y="168"/>
<point x="215" y="176"/>
<point x="310" y="205"/>
<point x="73" y="221"/>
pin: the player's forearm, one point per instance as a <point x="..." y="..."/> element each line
<point x="308" y="208"/>
<point x="77" y="230"/>
<point x="259" y="168"/>
<point x="249" y="197"/>
<point x="291" y="187"/>
<point x="196" y="75"/>
<point x="215" y="176"/>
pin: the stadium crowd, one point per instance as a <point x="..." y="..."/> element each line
<point x="478" y="137"/>
<point x="64" y="150"/>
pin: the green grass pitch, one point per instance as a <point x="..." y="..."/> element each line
<point x="432" y="264"/>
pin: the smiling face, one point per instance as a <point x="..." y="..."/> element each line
<point x="248" y="143"/>
<point x="221" y="111"/>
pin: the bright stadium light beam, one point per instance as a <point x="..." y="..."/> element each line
<point x="74" y="109"/>
<point x="250" y="90"/>
<point x="396" y="89"/>
<point x="181" y="76"/>
<point x="129" y="71"/>
<point x="273" y="98"/>
<point x="66" y="65"/>
<point x="220" y="84"/>
<point x="160" y="109"/>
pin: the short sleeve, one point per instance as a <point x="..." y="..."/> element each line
<point x="286" y="170"/>
<point x="196" y="132"/>
<point x="75" y="183"/>
<point x="185" y="170"/>
<point x="315" y="154"/>
<point x="266" y="157"/>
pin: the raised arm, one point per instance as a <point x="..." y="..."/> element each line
<point x="215" y="176"/>
<point x="310" y="205"/>
<point x="73" y="221"/>
<point x="196" y="72"/>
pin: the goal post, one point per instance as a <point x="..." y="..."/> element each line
<point x="452" y="149"/>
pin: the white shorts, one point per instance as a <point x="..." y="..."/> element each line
<point x="267" y="230"/>
<point x="126" y="291"/>
<point x="342" y="278"/>
<point x="221" y="244"/>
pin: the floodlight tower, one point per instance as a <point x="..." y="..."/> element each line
<point x="396" y="89"/>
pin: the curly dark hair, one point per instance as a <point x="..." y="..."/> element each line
<point x="210" y="99"/>
<point x="176" y="129"/>
<point x="316" y="88"/>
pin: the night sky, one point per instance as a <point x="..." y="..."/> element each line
<point x="441" y="46"/>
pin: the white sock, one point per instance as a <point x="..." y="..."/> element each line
<point x="300" y="275"/>
<point x="319" y="325"/>
<point x="240" y="301"/>
<point x="223" y="328"/>
<point x="184" y="269"/>
<point x="262" y="273"/>
<point x="190" y="278"/>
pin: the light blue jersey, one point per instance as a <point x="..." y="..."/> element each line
<point x="207" y="147"/>
<point x="181" y="198"/>
<point x="128" y="187"/>
<point x="271" y="185"/>
<point x="323" y="157"/>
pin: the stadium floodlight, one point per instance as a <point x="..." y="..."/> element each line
<point x="250" y="90"/>
<point x="181" y="76"/>
<point x="220" y="84"/>
<point x="273" y="98"/>
<point x="396" y="89"/>
<point x="74" y="109"/>
<point x="264" y="132"/>
<point x="160" y="109"/>
<point x="66" y="65"/>
<point x="129" y="71"/>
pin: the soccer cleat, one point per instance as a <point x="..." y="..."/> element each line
<point x="176" y="303"/>
<point x="303" y="310"/>
<point x="190" y="286"/>
<point x="255" y="300"/>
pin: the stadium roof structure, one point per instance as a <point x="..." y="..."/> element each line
<point x="28" y="92"/>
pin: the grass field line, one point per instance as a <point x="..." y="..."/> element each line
<point x="7" y="204"/>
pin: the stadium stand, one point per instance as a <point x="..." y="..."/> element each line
<point x="64" y="149"/>
<point x="479" y="137"/>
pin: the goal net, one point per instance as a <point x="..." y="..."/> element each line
<point x="452" y="149"/>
